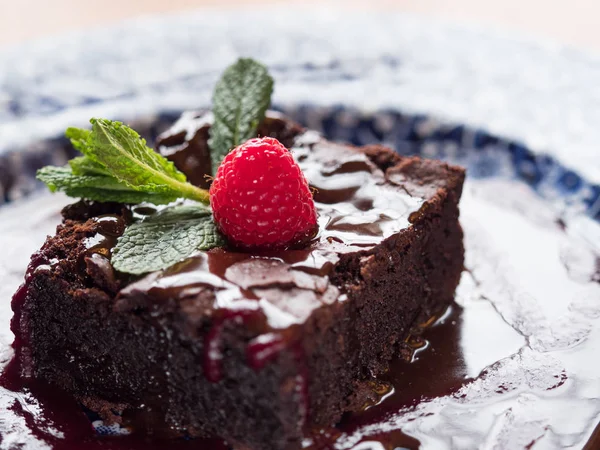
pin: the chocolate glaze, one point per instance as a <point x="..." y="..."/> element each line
<point x="186" y="144"/>
<point x="109" y="228"/>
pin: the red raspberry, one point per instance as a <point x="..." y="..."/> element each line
<point x="260" y="198"/>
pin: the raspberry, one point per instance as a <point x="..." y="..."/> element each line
<point x="260" y="198"/>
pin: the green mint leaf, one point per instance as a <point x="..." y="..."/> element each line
<point x="165" y="238"/>
<point x="82" y="165"/>
<point x="118" y="166"/>
<point x="100" y="188"/>
<point x="240" y="100"/>
<point x="126" y="157"/>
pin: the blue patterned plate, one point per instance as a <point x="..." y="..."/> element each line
<point x="521" y="116"/>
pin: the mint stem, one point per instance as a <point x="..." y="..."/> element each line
<point x="192" y="192"/>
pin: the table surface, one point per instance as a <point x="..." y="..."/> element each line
<point x="572" y="23"/>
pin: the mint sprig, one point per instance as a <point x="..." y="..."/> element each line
<point x="165" y="238"/>
<point x="126" y="156"/>
<point x="118" y="166"/>
<point x="240" y="100"/>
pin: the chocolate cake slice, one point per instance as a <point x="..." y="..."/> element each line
<point x="258" y="349"/>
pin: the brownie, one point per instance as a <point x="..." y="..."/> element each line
<point x="258" y="349"/>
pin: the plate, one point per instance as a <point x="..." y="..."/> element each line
<point x="514" y="363"/>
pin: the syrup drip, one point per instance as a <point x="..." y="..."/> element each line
<point x="265" y="348"/>
<point x="213" y="342"/>
<point x="109" y="227"/>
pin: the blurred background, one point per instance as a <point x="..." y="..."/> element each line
<point x="573" y="22"/>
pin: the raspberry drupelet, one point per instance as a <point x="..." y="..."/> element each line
<point x="261" y="199"/>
